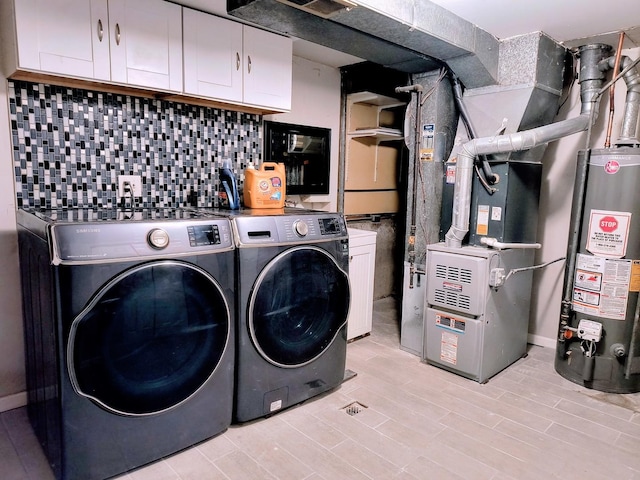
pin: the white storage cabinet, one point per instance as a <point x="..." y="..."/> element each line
<point x="131" y="42"/>
<point x="233" y="62"/>
<point x="362" y="262"/>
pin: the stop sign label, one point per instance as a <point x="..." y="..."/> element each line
<point x="608" y="233"/>
<point x="608" y="224"/>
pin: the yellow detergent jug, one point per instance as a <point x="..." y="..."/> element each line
<point x="264" y="187"/>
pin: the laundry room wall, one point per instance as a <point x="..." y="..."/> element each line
<point x="12" y="382"/>
<point x="66" y="147"/>
<point x="316" y="102"/>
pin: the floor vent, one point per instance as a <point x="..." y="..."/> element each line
<point x="354" y="408"/>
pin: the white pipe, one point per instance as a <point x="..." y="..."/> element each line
<point x="493" y="242"/>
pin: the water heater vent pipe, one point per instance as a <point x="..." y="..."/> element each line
<point x="629" y="129"/>
<point x="591" y="79"/>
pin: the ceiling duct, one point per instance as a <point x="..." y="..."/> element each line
<point x="323" y="8"/>
<point x="410" y="36"/>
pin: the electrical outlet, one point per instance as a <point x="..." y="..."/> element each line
<point x="136" y="185"/>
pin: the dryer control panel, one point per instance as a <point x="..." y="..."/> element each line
<point x="289" y="229"/>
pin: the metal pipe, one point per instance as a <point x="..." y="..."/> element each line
<point x="632" y="344"/>
<point x="577" y="207"/>
<point x="616" y="67"/>
<point x="411" y="248"/>
<point x="488" y="178"/>
<point x="590" y="85"/>
<point x="629" y="129"/>
<point x="625" y="70"/>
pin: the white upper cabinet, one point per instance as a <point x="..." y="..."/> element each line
<point x="232" y="62"/>
<point x="68" y="37"/>
<point x="212" y="56"/>
<point x="146" y="43"/>
<point x="268" y="69"/>
<point x="153" y="44"/>
<point x="134" y="42"/>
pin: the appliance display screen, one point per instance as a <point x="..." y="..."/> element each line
<point x="329" y="226"/>
<point x="200" y="235"/>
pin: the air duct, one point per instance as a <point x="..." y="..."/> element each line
<point x="591" y="80"/>
<point x="410" y="36"/>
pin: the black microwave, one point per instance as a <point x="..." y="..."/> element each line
<point x="305" y="152"/>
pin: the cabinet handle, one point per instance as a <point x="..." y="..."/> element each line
<point x="237" y="61"/>
<point x="100" y="30"/>
<point x="117" y="34"/>
<point x="249" y="63"/>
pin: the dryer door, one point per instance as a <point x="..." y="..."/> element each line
<point x="298" y="305"/>
<point x="149" y="339"/>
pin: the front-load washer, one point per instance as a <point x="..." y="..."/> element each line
<point x="129" y="334"/>
<point x="293" y="299"/>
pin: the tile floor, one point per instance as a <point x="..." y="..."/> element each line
<point x="416" y="422"/>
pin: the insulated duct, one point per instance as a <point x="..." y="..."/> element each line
<point x="412" y="36"/>
<point x="591" y="80"/>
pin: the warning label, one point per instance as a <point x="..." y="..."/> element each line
<point x="608" y="233"/>
<point x="426" y="147"/>
<point x="590" y="280"/>
<point x="449" y="348"/>
<point x="482" y="227"/>
<point x="634" y="284"/>
<point x="585" y="296"/>
<point x="601" y="286"/>
<point x="451" y="323"/>
<point x="451" y="174"/>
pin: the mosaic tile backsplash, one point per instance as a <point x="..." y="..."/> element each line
<point x="70" y="146"/>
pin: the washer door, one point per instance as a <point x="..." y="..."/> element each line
<point x="149" y="339"/>
<point x="298" y="304"/>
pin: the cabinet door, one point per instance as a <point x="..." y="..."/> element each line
<point x="267" y="69"/>
<point x="212" y="56"/>
<point x="361" y="270"/>
<point x="146" y="43"/>
<point x="68" y="37"/>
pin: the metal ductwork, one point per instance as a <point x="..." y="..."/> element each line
<point x="591" y="81"/>
<point x="410" y="36"/>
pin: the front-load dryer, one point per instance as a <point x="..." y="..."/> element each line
<point x="129" y="334"/>
<point x="293" y="300"/>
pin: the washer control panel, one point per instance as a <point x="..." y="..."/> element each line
<point x="107" y="241"/>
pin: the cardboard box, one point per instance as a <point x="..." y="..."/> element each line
<point x="382" y="201"/>
<point x="371" y="165"/>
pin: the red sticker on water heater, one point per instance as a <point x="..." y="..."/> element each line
<point x="608" y="233"/>
<point x="611" y="167"/>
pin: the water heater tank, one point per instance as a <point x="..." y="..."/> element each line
<point x="600" y="348"/>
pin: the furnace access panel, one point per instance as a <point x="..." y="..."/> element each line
<point x="472" y="328"/>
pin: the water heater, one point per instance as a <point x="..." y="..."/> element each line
<point x="599" y="342"/>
